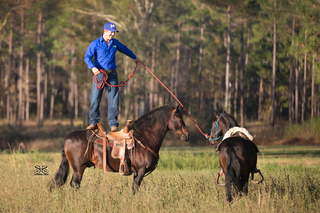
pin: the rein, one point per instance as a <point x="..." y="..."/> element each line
<point x="100" y="84"/>
<point x="145" y="147"/>
<point x="216" y="127"/>
<point x="150" y="150"/>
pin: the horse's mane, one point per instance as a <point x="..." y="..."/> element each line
<point x="159" y="115"/>
<point x="231" y="121"/>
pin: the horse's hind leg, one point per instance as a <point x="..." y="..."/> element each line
<point x="137" y="178"/>
<point x="244" y="183"/>
<point x="77" y="177"/>
<point x="252" y="176"/>
<point x="228" y="185"/>
<point x="62" y="173"/>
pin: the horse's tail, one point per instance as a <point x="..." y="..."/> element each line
<point x="232" y="174"/>
<point x="62" y="173"/>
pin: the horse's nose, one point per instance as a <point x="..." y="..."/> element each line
<point x="185" y="137"/>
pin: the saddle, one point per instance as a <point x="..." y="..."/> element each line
<point x="119" y="142"/>
<point x="238" y="132"/>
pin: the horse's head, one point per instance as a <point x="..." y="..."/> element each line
<point x="217" y="129"/>
<point x="222" y="122"/>
<point x="177" y="126"/>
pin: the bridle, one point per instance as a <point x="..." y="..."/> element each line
<point x="216" y="127"/>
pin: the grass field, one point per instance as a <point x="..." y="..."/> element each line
<point x="184" y="181"/>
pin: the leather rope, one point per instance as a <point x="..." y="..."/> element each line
<point x="100" y="84"/>
<point x="205" y="135"/>
<point x="103" y="81"/>
<point x="145" y="147"/>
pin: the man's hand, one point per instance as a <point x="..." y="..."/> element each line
<point x="95" y="71"/>
<point x="136" y="60"/>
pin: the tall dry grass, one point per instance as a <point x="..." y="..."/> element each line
<point x="183" y="182"/>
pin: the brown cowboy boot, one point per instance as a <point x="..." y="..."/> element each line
<point x="114" y="129"/>
<point x="92" y="127"/>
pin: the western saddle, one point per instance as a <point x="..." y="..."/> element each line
<point x="118" y="141"/>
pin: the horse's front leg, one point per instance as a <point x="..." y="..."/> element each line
<point x="218" y="175"/>
<point x="137" y="179"/>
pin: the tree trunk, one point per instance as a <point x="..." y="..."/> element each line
<point x="235" y="92"/>
<point x="177" y="71"/>
<point x="156" y="86"/>
<point x="241" y="80"/>
<point x="312" y="90"/>
<point x="72" y="85"/>
<point x="136" y="99"/>
<point x="39" y="76"/>
<point x="71" y="95"/>
<point x="53" y="88"/>
<point x="226" y="103"/>
<point x="15" y="95"/>
<point x="85" y="98"/>
<point x="8" y="75"/>
<point x="126" y="89"/>
<point x="291" y="74"/>
<point x="273" y="92"/>
<point x="20" y="111"/>
<point x="27" y="90"/>
<point x="304" y="84"/>
<point x="45" y="87"/>
<point x="76" y="99"/>
<point x="200" y="67"/>
<point x="172" y="79"/>
<point x="260" y="117"/>
<point x="2" y="74"/>
<point x="297" y="89"/>
<point x="153" y="52"/>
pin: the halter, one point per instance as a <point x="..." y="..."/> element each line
<point x="216" y="127"/>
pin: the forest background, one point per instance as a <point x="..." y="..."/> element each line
<point x="257" y="60"/>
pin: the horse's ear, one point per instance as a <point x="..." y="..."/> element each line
<point x="224" y="112"/>
<point x="177" y="107"/>
<point x="215" y="114"/>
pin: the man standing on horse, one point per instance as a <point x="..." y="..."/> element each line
<point x="103" y="50"/>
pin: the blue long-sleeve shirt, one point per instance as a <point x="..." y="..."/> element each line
<point x="104" y="55"/>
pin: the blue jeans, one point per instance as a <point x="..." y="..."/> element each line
<point x="113" y="100"/>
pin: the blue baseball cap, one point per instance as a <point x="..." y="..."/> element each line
<point x="110" y="26"/>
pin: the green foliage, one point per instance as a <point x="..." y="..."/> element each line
<point x="188" y="160"/>
<point x="75" y="23"/>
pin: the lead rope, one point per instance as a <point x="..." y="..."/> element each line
<point x="100" y="84"/>
<point x="205" y="135"/>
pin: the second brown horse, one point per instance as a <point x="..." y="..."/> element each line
<point x="237" y="153"/>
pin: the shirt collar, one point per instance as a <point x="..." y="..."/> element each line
<point x="102" y="39"/>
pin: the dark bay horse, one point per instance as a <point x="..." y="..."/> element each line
<point x="237" y="153"/>
<point x="149" y="130"/>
